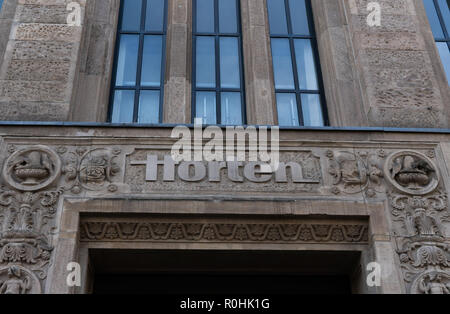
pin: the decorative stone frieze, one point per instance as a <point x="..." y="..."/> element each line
<point x="36" y="178"/>
<point x="226" y="231"/>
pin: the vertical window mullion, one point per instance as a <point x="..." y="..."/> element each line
<point x="163" y="63"/>
<point x="140" y="57"/>
<point x="441" y="20"/>
<point x="294" y="63"/>
<point x="217" y="45"/>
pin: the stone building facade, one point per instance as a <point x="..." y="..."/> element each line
<point x="372" y="185"/>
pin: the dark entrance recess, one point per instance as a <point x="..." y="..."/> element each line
<point x="222" y="272"/>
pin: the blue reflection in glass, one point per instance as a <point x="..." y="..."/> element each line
<point x="277" y="16"/>
<point x="206" y="62"/>
<point x="155" y="15"/>
<point x="151" y="61"/>
<point x="282" y="64"/>
<point x="312" y="110"/>
<point x="227" y="16"/>
<point x="433" y="19"/>
<point x="1" y="3"/>
<point x="123" y="106"/>
<point x="206" y="107"/>
<point x="205" y="16"/>
<point x="445" y="11"/>
<point x="149" y="107"/>
<point x="229" y="63"/>
<point x="127" y="61"/>
<point x="231" y="112"/>
<point x="287" y="110"/>
<point x="445" y="57"/>
<point x="305" y="64"/>
<point x="299" y="18"/>
<point x="131" y="18"/>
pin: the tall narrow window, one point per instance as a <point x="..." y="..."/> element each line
<point x="439" y="16"/>
<point x="1" y="3"/>
<point x="295" y="64"/>
<point x="138" y="82"/>
<point x="218" y="83"/>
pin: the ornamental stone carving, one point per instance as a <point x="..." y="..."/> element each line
<point x="419" y="209"/>
<point x="412" y="173"/>
<point x="32" y="169"/>
<point x="90" y="169"/>
<point x="432" y="282"/>
<point x="158" y="231"/>
<point x="28" y="206"/>
<point x="18" y="280"/>
<point x="355" y="173"/>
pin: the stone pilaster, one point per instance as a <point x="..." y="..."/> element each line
<point x="398" y="82"/>
<point x="40" y="61"/>
<point x="260" y="91"/>
<point x="177" y="87"/>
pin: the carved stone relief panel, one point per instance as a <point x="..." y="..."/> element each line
<point x="356" y="172"/>
<point x="28" y="206"/>
<point x="420" y="210"/>
<point x="154" y="171"/>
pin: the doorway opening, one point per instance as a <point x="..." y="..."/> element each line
<point x="211" y="272"/>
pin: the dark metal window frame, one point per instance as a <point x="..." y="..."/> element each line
<point x="446" y="31"/>
<point x="297" y="91"/>
<point x="217" y="35"/>
<point x="138" y="88"/>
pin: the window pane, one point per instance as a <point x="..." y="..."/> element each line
<point x="1" y="3"/>
<point x="305" y="64"/>
<point x="277" y="16"/>
<point x="127" y="61"/>
<point x="155" y="15"/>
<point x="433" y="19"/>
<point x="149" y="107"/>
<point x="299" y="17"/>
<point x="131" y="18"/>
<point x="227" y="16"/>
<point x="312" y="111"/>
<point x="205" y="16"/>
<point x="229" y="62"/>
<point x="231" y="109"/>
<point x="445" y="11"/>
<point x="206" y="62"/>
<point x="151" y="61"/>
<point x="287" y="110"/>
<point x="123" y="106"/>
<point x="282" y="64"/>
<point x="445" y="57"/>
<point x="206" y="107"/>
